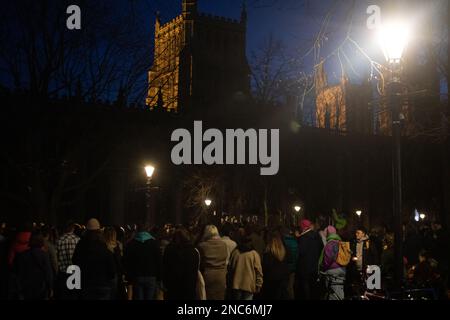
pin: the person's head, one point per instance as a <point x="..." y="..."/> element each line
<point x="361" y="233"/>
<point x="305" y="225"/>
<point x="69" y="227"/>
<point x="143" y="227"/>
<point x="275" y="246"/>
<point x="36" y="240"/>
<point x="330" y="230"/>
<point x="423" y="256"/>
<point x="110" y="235"/>
<point x="210" y="232"/>
<point x="181" y="236"/>
<point x="227" y="230"/>
<point x="93" y="225"/>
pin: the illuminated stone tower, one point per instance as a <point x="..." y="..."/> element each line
<point x="199" y="60"/>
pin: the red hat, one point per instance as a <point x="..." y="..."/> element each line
<point x="305" y="225"/>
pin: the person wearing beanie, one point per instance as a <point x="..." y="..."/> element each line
<point x="310" y="247"/>
<point x="96" y="263"/>
<point x="334" y="273"/>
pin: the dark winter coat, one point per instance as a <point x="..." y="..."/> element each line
<point x="142" y="258"/>
<point x="276" y="278"/>
<point x="180" y="265"/>
<point x="33" y="273"/>
<point x="95" y="260"/>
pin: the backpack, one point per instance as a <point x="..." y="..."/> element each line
<point x="344" y="254"/>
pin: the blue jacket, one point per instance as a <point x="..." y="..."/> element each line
<point x="291" y="245"/>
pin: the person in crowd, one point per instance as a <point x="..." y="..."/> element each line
<point x="310" y="247"/>
<point x="254" y="232"/>
<point x="213" y="263"/>
<point x="142" y="262"/>
<point x="227" y="233"/>
<point x="50" y="248"/>
<point x="33" y="271"/>
<point x="275" y="269"/>
<point x="291" y="245"/>
<point x="388" y="261"/>
<point x="426" y="275"/>
<point x="440" y="248"/>
<point x="65" y="248"/>
<point x="321" y="224"/>
<point x="363" y="254"/>
<point x="245" y="271"/>
<point x="96" y="263"/>
<point x="412" y="244"/>
<point x="165" y="236"/>
<point x="79" y="230"/>
<point x="376" y="236"/>
<point x="118" y="288"/>
<point x="333" y="271"/>
<point x="21" y="242"/>
<point x="181" y="262"/>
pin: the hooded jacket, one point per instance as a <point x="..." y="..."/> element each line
<point x="142" y="257"/>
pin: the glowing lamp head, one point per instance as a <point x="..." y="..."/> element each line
<point x="422" y="216"/>
<point x="359" y="213"/>
<point x="149" y="171"/>
<point x="393" y="37"/>
<point x="208" y="202"/>
<point x="297" y="208"/>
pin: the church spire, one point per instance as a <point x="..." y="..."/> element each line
<point x="244" y="12"/>
<point x="158" y="20"/>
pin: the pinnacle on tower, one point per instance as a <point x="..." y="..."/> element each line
<point x="244" y="12"/>
<point x="189" y="8"/>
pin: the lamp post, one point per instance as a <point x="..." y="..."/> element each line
<point x="208" y="203"/>
<point x="149" y="170"/>
<point x="393" y="38"/>
<point x="297" y="209"/>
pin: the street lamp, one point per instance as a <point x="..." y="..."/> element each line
<point x="358" y="213"/>
<point x="295" y="217"/>
<point x="422" y="216"/>
<point x="208" y="202"/>
<point x="149" y="170"/>
<point x="393" y="37"/>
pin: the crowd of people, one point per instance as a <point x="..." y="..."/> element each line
<point x="230" y="262"/>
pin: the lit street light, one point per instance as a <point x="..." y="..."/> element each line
<point x="422" y="216"/>
<point x="295" y="216"/>
<point x="393" y="37"/>
<point x="359" y="213"/>
<point x="149" y="170"/>
<point x="208" y="202"/>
